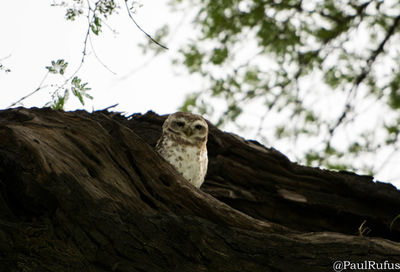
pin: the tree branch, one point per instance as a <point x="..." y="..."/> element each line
<point x="33" y="92"/>
<point x="137" y="25"/>
<point x="90" y="20"/>
<point x="97" y="57"/>
<point x="360" y="78"/>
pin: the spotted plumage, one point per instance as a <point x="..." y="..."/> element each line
<point x="183" y="144"/>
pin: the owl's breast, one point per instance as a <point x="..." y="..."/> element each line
<point x="190" y="161"/>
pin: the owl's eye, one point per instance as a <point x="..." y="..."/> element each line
<point x="198" y="127"/>
<point x="180" y="124"/>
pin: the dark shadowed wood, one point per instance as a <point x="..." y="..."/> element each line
<point x="263" y="183"/>
<point x="87" y="192"/>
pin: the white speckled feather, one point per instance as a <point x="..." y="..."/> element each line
<point x="185" y="146"/>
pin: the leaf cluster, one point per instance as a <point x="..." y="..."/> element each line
<point x="72" y="85"/>
<point x="292" y="55"/>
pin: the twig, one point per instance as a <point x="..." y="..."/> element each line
<point x="392" y="223"/>
<point x="6" y="57"/>
<point x="83" y="51"/>
<point x="138" y="68"/>
<point x="370" y="61"/>
<point x="87" y="36"/>
<point x="137" y="25"/>
<point x="67" y="80"/>
<point x="33" y="92"/>
<point x="98" y="59"/>
<point x="109" y="107"/>
<point x="363" y="229"/>
<point x="147" y="62"/>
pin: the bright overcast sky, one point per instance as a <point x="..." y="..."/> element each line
<point x="33" y="33"/>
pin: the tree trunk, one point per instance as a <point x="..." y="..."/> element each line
<point x="87" y="192"/>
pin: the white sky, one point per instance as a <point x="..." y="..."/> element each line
<point x="32" y="34"/>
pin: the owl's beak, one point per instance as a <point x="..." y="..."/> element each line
<point x="188" y="132"/>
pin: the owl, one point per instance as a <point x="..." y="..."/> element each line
<point x="183" y="144"/>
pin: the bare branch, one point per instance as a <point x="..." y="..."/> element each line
<point x="137" y="25"/>
<point x="98" y="59"/>
<point x="33" y="92"/>
<point x="109" y="107"/>
<point x="90" y="19"/>
<point x="73" y="74"/>
<point x="360" y="78"/>
<point x="6" y="57"/>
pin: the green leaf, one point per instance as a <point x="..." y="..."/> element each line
<point x="79" y="89"/>
<point x="57" y="67"/>
<point x="193" y="58"/>
<point x="252" y="76"/>
<point x="394" y="97"/>
<point x="219" y="55"/>
<point x="333" y="77"/>
<point x="72" y="13"/>
<point x="106" y="7"/>
<point x="338" y="166"/>
<point x="310" y="117"/>
<point x="59" y="103"/>
<point x="280" y="132"/>
<point x="96" y="25"/>
<point x="311" y="157"/>
<point x="78" y="94"/>
<point x="294" y="52"/>
<point x="189" y="103"/>
<point x="88" y="95"/>
<point x="355" y="148"/>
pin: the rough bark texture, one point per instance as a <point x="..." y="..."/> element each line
<point x="87" y="192"/>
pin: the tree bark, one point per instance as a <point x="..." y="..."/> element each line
<point x="87" y="192"/>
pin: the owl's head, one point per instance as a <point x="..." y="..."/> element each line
<point x="189" y="128"/>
